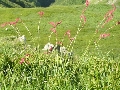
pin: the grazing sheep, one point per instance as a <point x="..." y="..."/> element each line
<point x="48" y="47"/>
<point x="62" y="50"/>
<point x="59" y="48"/>
<point x="22" y="39"/>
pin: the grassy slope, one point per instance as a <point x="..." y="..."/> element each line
<point x="27" y="3"/>
<point x="69" y="15"/>
<point x="32" y="3"/>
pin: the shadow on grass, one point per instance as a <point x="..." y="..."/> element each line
<point x="46" y="3"/>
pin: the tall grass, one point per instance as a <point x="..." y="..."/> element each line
<point x="49" y="73"/>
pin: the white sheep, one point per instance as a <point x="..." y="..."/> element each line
<point x="22" y="39"/>
<point x="48" y="47"/>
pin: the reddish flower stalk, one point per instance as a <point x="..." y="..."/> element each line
<point x="53" y="30"/>
<point x="10" y="23"/>
<point x="13" y="23"/>
<point x="41" y="13"/>
<point x="87" y="3"/>
<point x="109" y="15"/>
<point x="104" y="35"/>
<point x="58" y="23"/>
<point x="54" y="25"/>
<point x="109" y="18"/>
<point x="111" y="11"/>
<point x="68" y="33"/>
<point x="17" y="20"/>
<point x="4" y="24"/>
<point x="79" y="28"/>
<point x="83" y="17"/>
<point x="24" y="59"/>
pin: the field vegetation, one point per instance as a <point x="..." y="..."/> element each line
<point x="94" y="64"/>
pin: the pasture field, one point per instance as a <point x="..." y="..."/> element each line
<point x="95" y="64"/>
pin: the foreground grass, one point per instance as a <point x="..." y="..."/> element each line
<point x="52" y="72"/>
<point x="99" y="68"/>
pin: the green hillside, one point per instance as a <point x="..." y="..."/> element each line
<point x="46" y="3"/>
<point x="37" y="3"/>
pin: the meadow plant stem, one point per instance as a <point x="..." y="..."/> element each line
<point x="50" y="36"/>
<point x="106" y="31"/>
<point x="17" y="31"/>
<point x="39" y="26"/>
<point x="56" y="39"/>
<point x="73" y="41"/>
<point x="102" y="25"/>
<point x="79" y="28"/>
<point x="27" y="29"/>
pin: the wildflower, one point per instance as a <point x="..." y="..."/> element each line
<point x="53" y="30"/>
<point x="4" y="24"/>
<point x="13" y="23"/>
<point x="87" y="3"/>
<point x="68" y="33"/>
<point x="71" y="39"/>
<point x="104" y="35"/>
<point x="83" y="17"/>
<point x="114" y="8"/>
<point x="53" y="24"/>
<point x="41" y="13"/>
<point x="109" y="13"/>
<point x="58" y="23"/>
<point x="17" y="19"/>
<point x="22" y="60"/>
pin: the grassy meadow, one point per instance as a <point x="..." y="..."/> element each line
<point x="93" y="66"/>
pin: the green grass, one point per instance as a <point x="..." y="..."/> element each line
<point x="98" y="69"/>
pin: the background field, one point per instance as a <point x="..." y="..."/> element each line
<point x="70" y="17"/>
